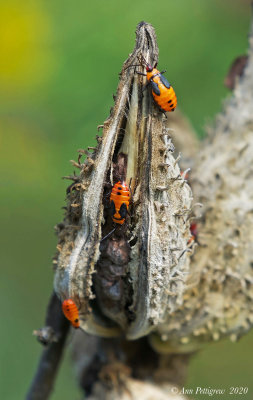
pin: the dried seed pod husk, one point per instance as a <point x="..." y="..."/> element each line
<point x="218" y="301"/>
<point x="128" y="283"/>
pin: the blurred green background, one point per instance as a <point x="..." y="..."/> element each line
<point x="59" y="65"/>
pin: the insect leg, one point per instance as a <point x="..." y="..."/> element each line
<point x="163" y="111"/>
<point x="145" y="86"/>
<point x="140" y="73"/>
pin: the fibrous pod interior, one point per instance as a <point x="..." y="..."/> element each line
<point x="127" y="281"/>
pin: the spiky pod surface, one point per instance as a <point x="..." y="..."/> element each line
<point x="142" y="270"/>
<point x="218" y="301"/>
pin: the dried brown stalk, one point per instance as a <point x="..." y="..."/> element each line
<point x="54" y="337"/>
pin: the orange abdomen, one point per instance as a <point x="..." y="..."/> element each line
<point x="119" y="201"/>
<point x="71" y="312"/>
<point x="167" y="100"/>
<point x="163" y="93"/>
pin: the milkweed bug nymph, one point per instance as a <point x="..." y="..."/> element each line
<point x="70" y="310"/>
<point x="119" y="202"/>
<point x="162" y="91"/>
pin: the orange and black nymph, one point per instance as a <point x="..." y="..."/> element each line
<point x="162" y="91"/>
<point x="119" y="202"/>
<point x="70" y="310"/>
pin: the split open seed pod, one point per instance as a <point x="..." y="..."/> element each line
<point x="132" y="280"/>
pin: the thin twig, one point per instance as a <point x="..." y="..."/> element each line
<point x="43" y="381"/>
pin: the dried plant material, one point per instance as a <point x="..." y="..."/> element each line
<point x="235" y="71"/>
<point x="113" y="360"/>
<point x="184" y="138"/>
<point x="135" y="389"/>
<point x="134" y="278"/>
<point x="103" y="374"/>
<point x="53" y="336"/>
<point x="218" y="301"/>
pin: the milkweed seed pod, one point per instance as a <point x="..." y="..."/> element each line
<point x="218" y="302"/>
<point x="131" y="281"/>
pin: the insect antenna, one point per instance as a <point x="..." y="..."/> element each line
<point x="109" y="234"/>
<point x="134" y="65"/>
